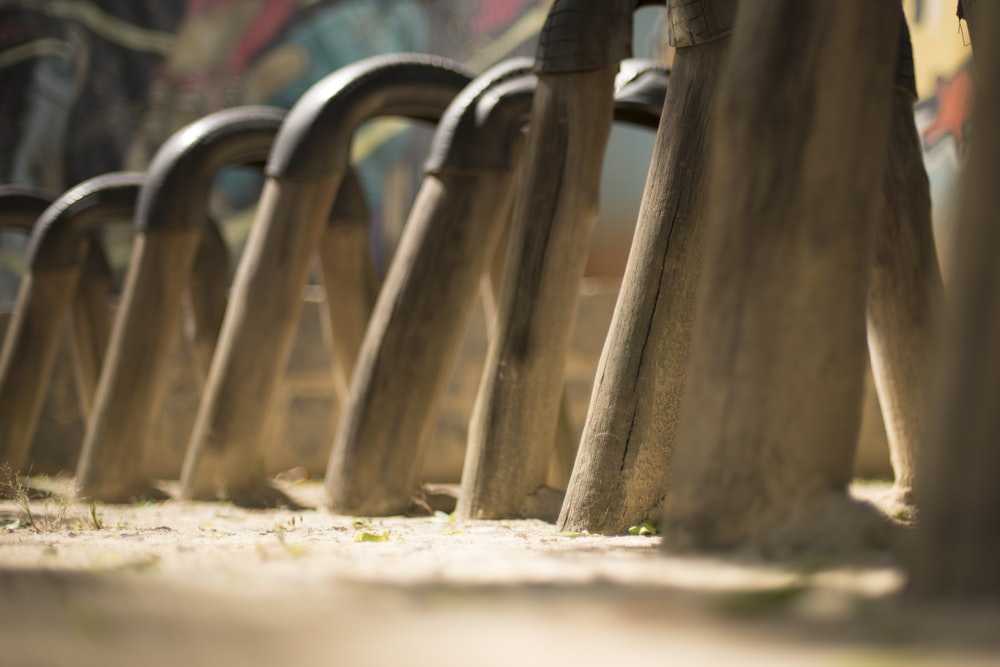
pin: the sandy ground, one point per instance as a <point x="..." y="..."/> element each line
<point x="212" y="584"/>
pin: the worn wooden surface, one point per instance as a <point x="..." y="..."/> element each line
<point x="91" y="323"/>
<point x="620" y="478"/>
<point x="567" y="431"/>
<point x="413" y="341"/>
<point x="514" y="422"/>
<point x="226" y="454"/>
<point x="905" y="297"/>
<point x="26" y="358"/>
<point x="958" y="544"/>
<point x="772" y="408"/>
<point x="348" y="272"/>
<point x="115" y="448"/>
<point x="208" y="292"/>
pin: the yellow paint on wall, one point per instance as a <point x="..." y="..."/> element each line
<point x="940" y="41"/>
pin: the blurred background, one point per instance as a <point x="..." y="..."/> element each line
<point x="89" y="87"/>
<point x="92" y="86"/>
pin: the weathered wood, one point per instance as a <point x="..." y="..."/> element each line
<point x="26" y="359"/>
<point x="904" y="298"/>
<point x="91" y="324"/>
<point x="208" y="292"/>
<point x="305" y="167"/>
<point x="772" y="407"/>
<point x="413" y="341"/>
<point x="348" y="273"/>
<point x="564" y="452"/>
<point x="225" y="455"/>
<point x="112" y="463"/>
<point x="621" y="476"/>
<point x="957" y="542"/>
<point x="171" y="218"/>
<point x="350" y="287"/>
<point x="515" y="417"/>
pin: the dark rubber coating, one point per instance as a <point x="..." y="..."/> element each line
<point x="21" y="206"/>
<point x="584" y="35"/>
<point x="479" y="129"/>
<point x="693" y="22"/>
<point x="481" y="123"/>
<point x="640" y="89"/>
<point x="55" y="240"/>
<point x="180" y="176"/>
<point x="315" y="139"/>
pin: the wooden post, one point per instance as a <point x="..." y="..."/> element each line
<point x="304" y="172"/>
<point x="349" y="282"/>
<point x="514" y="421"/>
<point x="906" y="291"/>
<point x="91" y="322"/>
<point x="127" y="402"/>
<point x="170" y="218"/>
<point x="426" y="301"/>
<point x="26" y="359"/>
<point x="772" y="407"/>
<point x="402" y="371"/>
<point x="208" y="293"/>
<point x="21" y="207"/>
<point x="564" y="452"/>
<point x="957" y="541"/>
<point x="515" y="417"/>
<point x="620" y="478"/>
<point x="57" y="247"/>
<point x="225" y="454"/>
<point x="423" y="309"/>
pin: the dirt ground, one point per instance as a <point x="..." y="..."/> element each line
<point x="212" y="584"/>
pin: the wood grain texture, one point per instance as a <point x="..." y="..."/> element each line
<point x="905" y="298"/>
<point x="225" y="456"/>
<point x="566" y="446"/>
<point x="413" y="341"/>
<point x="348" y="272"/>
<point x="514" y="421"/>
<point x="620" y="478"/>
<point x="132" y="382"/>
<point x="958" y="545"/>
<point x="26" y="359"/>
<point x="771" y="413"/>
<point x="91" y="324"/>
<point x="208" y="293"/>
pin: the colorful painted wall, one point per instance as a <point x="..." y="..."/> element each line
<point x="90" y="86"/>
<point x="943" y="60"/>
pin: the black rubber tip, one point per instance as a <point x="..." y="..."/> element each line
<point x="316" y="137"/>
<point x="56" y="239"/>
<point x="180" y="175"/>
<point x="22" y="205"/>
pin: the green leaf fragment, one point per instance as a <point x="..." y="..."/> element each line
<point x="372" y="537"/>
<point x="647" y="528"/>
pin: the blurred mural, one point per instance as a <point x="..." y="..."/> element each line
<point x="91" y="86"/>
<point x="944" y="80"/>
